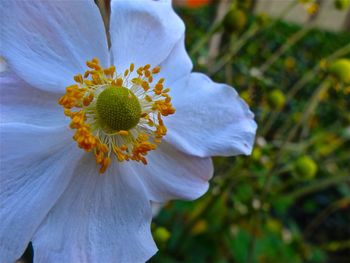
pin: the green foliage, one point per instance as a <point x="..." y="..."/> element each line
<point x="270" y="206"/>
<point x="341" y="4"/>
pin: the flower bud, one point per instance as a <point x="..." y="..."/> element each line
<point x="306" y="167"/>
<point x="341" y="4"/>
<point x="276" y="99"/>
<point x="235" y="20"/>
<point x="341" y="69"/>
<point x="256" y="154"/>
<point x="161" y="234"/>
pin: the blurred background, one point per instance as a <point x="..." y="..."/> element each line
<point x="290" y="200"/>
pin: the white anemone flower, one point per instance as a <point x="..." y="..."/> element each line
<point x="144" y="128"/>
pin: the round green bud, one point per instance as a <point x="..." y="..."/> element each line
<point x="118" y="109"/>
<point x="262" y="19"/>
<point x="256" y="154"/>
<point x="341" y="69"/>
<point x="161" y="234"/>
<point x="276" y="99"/>
<point x="306" y="167"/>
<point x="341" y="4"/>
<point x="235" y="20"/>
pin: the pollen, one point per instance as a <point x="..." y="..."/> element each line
<point x="117" y="116"/>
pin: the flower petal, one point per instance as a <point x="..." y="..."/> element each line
<point x="19" y="102"/>
<point x="143" y="32"/>
<point x="171" y="174"/>
<point x="210" y="119"/>
<point x="35" y="170"/>
<point x="98" y="219"/>
<point x="177" y="65"/>
<point x="47" y="43"/>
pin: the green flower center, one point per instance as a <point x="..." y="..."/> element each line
<point x="118" y="109"/>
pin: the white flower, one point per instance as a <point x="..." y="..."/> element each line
<point x="51" y="191"/>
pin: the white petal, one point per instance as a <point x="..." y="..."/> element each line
<point x="210" y="119"/>
<point x="171" y="174"/>
<point x="177" y="65"/>
<point x="36" y="166"/>
<point x="143" y="32"/>
<point x="99" y="218"/>
<point x="19" y="102"/>
<point x="47" y="43"/>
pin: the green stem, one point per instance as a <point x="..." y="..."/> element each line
<point x="235" y="47"/>
<point x="205" y="38"/>
<point x="317" y="186"/>
<point x="309" y="110"/>
<point x="227" y="183"/>
<point x="339" y="204"/>
<point x="307" y="77"/>
<point x="291" y="41"/>
<point x="252" y="31"/>
<point x="312" y="108"/>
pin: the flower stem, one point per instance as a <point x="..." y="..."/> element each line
<point x="317" y="186"/>
<point x="307" y="77"/>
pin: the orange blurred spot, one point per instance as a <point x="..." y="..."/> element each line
<point x="197" y="3"/>
<point x="191" y="3"/>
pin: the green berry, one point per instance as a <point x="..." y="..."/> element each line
<point x="276" y="99"/>
<point x="341" y="4"/>
<point x="235" y="20"/>
<point x="161" y="235"/>
<point x="306" y="167"/>
<point x="341" y="69"/>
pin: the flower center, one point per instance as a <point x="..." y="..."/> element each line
<point x="117" y="115"/>
<point x="118" y="109"/>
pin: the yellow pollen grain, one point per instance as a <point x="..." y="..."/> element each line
<point x="156" y="70"/>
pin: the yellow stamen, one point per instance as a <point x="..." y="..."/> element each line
<point x="79" y="103"/>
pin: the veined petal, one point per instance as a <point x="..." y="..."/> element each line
<point x="172" y="174"/>
<point x="143" y="32"/>
<point x="210" y="119"/>
<point x="35" y="170"/>
<point x="19" y="102"/>
<point x="47" y="42"/>
<point x="98" y="219"/>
